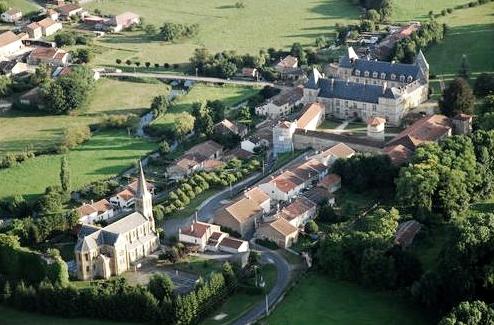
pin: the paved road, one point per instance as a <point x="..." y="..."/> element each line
<point x="282" y="281"/>
<point x="183" y="77"/>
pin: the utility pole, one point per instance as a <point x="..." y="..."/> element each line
<point x="267" y="305"/>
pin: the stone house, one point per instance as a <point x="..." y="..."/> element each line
<point x="34" y="30"/>
<point x="279" y="231"/>
<point x="10" y="43"/>
<point x="281" y="104"/>
<point x="48" y="55"/>
<point x="11" y="15"/>
<point x="49" y="26"/>
<point x="89" y="213"/>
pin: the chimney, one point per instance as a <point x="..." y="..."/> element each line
<point x="332" y="84"/>
<point x="92" y="201"/>
<point x="385" y="85"/>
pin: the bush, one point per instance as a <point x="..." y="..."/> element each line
<point x="311" y="227"/>
<point x="74" y="136"/>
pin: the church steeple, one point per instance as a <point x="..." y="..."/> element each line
<point x="143" y="199"/>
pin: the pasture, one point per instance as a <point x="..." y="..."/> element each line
<point x="320" y="300"/>
<point x="20" y="129"/>
<point x="260" y="25"/>
<point x="26" y="6"/>
<point x="471" y="32"/>
<point x="229" y="95"/>
<point x="106" y="154"/>
<point x="406" y="10"/>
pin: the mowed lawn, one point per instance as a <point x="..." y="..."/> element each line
<point x="319" y="300"/>
<point x="10" y="316"/>
<point x="104" y="155"/>
<point x="260" y="25"/>
<point x="20" y="129"/>
<point x="405" y="10"/>
<point x="25" y="6"/>
<point x="471" y="32"/>
<point x="228" y="94"/>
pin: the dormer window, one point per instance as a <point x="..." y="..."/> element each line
<point x="357" y="73"/>
<point x="383" y="75"/>
<point x="402" y="78"/>
<point x="366" y="73"/>
<point x="374" y="75"/>
<point x="410" y="78"/>
<point x="393" y="76"/>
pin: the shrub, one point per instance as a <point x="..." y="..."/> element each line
<point x="75" y="135"/>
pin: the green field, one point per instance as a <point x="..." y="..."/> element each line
<point x="405" y="10"/>
<point x="229" y="95"/>
<point x="319" y="300"/>
<point x="471" y="32"/>
<point x="260" y="25"/>
<point x="25" y="6"/>
<point x="104" y="155"/>
<point x="19" y="129"/>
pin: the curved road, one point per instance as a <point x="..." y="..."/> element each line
<point x="282" y="281"/>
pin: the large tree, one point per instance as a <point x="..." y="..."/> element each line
<point x="469" y="313"/>
<point x="65" y="174"/>
<point x="457" y="98"/>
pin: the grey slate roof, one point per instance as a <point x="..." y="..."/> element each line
<point x="335" y="88"/>
<point x="381" y="66"/>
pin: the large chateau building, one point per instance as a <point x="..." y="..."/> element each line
<point x="114" y="249"/>
<point x="359" y="87"/>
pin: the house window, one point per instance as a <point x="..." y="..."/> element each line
<point x="364" y="105"/>
<point x="402" y="78"/>
<point x="357" y="80"/>
<point x="346" y="103"/>
<point x="375" y="82"/>
<point x="87" y="268"/>
<point x="383" y="75"/>
<point x="374" y="75"/>
<point x="374" y="107"/>
<point x="86" y="256"/>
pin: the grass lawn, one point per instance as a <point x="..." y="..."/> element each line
<point x="329" y="124"/>
<point x="241" y="302"/>
<point x="199" y="266"/>
<point x="471" y="32"/>
<point x="25" y="6"/>
<point x="319" y="300"/>
<point x="14" y="317"/>
<point x="260" y="25"/>
<point x="405" y="10"/>
<point x="229" y="95"/>
<point x="104" y="155"/>
<point x="20" y="129"/>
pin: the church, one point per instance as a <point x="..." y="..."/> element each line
<point x="114" y="249"/>
<point x="363" y="88"/>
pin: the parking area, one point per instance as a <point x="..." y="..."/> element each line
<point x="184" y="281"/>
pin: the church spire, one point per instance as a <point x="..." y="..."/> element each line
<point x="142" y="188"/>
<point x="143" y="199"/>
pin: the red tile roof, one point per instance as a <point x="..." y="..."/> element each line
<point x="102" y="206"/>
<point x="427" y="129"/>
<point x="375" y="121"/>
<point x="329" y="181"/>
<point x="298" y="207"/>
<point x="196" y="229"/>
<point x="8" y="38"/>
<point x="399" y="154"/>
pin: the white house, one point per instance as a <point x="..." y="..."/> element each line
<point x="123" y="199"/>
<point x="93" y="212"/>
<point x="209" y="237"/>
<point x="281" y="104"/>
<point x="10" y="43"/>
<point x="11" y="15"/>
<point x="283" y="187"/>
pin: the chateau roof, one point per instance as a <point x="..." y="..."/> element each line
<point x="341" y="89"/>
<point x="380" y="67"/>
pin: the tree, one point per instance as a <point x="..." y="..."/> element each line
<point x="160" y="104"/>
<point x="3" y="6"/>
<point x="469" y="313"/>
<point x="128" y="62"/>
<point x="464" y="71"/>
<point x="457" y="98"/>
<point x="83" y="55"/>
<point x="68" y="92"/>
<point x="184" y="124"/>
<point x="147" y="64"/>
<point x="203" y="119"/>
<point x="5" y="86"/>
<point x="298" y="51"/>
<point x="118" y="61"/>
<point x="217" y="109"/>
<point x="373" y="15"/>
<point x="311" y="227"/>
<point x="161" y="286"/>
<point x="150" y="30"/>
<point x="65" y="174"/>
<point x="65" y="38"/>
<point x="164" y="147"/>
